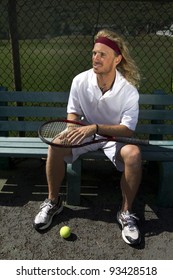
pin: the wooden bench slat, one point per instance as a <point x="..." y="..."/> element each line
<point x="155" y="99"/>
<point x="18" y="96"/>
<point x="26" y="111"/>
<point x="22" y="146"/>
<point x="156" y="114"/>
<point x="162" y="143"/>
<point x="20" y="125"/>
<point x="58" y="112"/>
<point x="155" y="129"/>
<point x="23" y="152"/>
<point x="21" y="139"/>
<point x="25" y="144"/>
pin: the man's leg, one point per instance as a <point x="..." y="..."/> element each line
<point x="131" y="176"/>
<point x="55" y="170"/>
<point x="130" y="181"/>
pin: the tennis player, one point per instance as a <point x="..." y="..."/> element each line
<point x="106" y="96"/>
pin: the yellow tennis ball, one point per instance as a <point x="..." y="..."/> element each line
<point x="65" y="232"/>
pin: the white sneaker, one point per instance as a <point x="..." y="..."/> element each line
<point x="48" y="209"/>
<point x="130" y="231"/>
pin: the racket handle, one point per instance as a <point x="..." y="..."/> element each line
<point x="135" y="141"/>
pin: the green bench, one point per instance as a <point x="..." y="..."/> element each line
<point x="21" y="113"/>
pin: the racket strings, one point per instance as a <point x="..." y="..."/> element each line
<point x="57" y="131"/>
<point x="50" y="130"/>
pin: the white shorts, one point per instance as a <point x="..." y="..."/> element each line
<point x="110" y="149"/>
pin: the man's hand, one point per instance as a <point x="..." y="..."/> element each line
<point x="77" y="135"/>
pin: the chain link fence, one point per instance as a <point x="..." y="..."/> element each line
<point x="45" y="43"/>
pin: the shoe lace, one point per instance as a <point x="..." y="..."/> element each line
<point x="129" y="220"/>
<point x="46" y="206"/>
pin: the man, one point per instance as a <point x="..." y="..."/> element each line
<point x="107" y="98"/>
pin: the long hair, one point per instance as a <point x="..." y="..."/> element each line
<point x="127" y="67"/>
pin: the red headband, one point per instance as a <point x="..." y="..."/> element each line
<point x="111" y="44"/>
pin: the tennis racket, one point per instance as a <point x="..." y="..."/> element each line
<point x="55" y="133"/>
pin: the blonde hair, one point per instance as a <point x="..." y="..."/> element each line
<point x="127" y="67"/>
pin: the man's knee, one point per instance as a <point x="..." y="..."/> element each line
<point x="59" y="152"/>
<point x="131" y="155"/>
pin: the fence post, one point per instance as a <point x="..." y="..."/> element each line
<point x="12" y="14"/>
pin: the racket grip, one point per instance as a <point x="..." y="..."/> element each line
<point x="135" y="141"/>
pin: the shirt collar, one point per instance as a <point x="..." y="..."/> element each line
<point x="94" y="78"/>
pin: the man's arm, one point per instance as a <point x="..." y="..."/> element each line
<point x="73" y="117"/>
<point x="114" y="130"/>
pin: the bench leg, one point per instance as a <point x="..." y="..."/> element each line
<point x="74" y="182"/>
<point x="165" y="194"/>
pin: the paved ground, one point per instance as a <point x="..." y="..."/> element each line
<point x="95" y="232"/>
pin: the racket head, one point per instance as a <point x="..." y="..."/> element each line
<point x="55" y="132"/>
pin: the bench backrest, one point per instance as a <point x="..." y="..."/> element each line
<point x="156" y="115"/>
<point x="25" y="111"/>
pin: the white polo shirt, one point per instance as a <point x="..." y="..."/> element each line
<point x="119" y="105"/>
